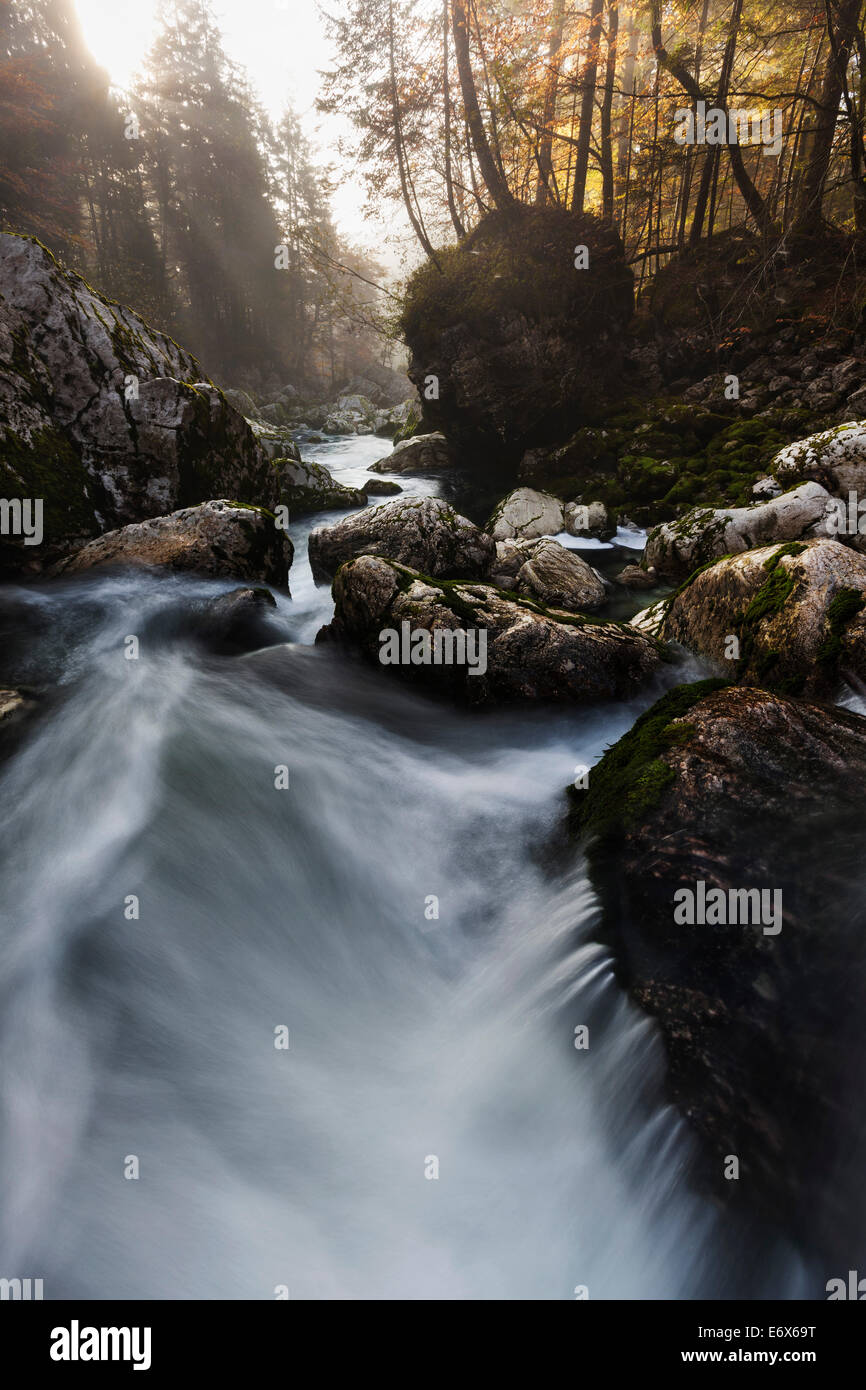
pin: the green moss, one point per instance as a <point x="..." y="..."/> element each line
<point x="844" y="608"/>
<point x="631" y="778"/>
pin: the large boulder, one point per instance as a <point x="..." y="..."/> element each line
<point x="424" y="453"/>
<point x="217" y="538"/>
<point x="424" y="533"/>
<point x="520" y="328"/>
<point x="103" y="419"/>
<point x="744" y="791"/>
<point x="527" y="513"/>
<point x="546" y="571"/>
<point x="676" y="548"/>
<point x="523" y="651"/>
<point x="836" y="458"/>
<point x="795" y="611"/>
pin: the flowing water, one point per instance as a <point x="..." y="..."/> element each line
<point x="411" y="1039"/>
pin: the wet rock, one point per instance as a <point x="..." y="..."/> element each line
<point x="527" y="513"/>
<point x="424" y="453"/>
<point x="382" y="487"/>
<point x="676" y="548"/>
<point x="743" y="791"/>
<point x="548" y="572"/>
<point x="310" y="487"/>
<point x="238" y="621"/>
<point x="527" y="652"/>
<point x="102" y="418"/>
<point x="795" y="611"/>
<point x="217" y="538"/>
<point x="424" y="533"/>
<point x="633" y="577"/>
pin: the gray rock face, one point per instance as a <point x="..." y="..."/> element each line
<point x="101" y="417"/>
<point x="424" y="453"/>
<point x="676" y="548"/>
<point x="587" y="519"/>
<point x="764" y="1034"/>
<point x="216" y="538"/>
<point x="530" y="653"/>
<point x="795" y="610"/>
<point x="546" y="571"/>
<point x="424" y="533"/>
<point x="836" y="458"/>
<point x="526" y="513"/>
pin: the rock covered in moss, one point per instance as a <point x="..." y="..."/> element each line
<point x="102" y="418"/>
<point x="795" y="611"/>
<point x="382" y="487"/>
<point x="836" y="458"/>
<point x="529" y="652"/>
<point x="548" y="572"/>
<point x="740" y="790"/>
<point x="422" y="532"/>
<point x="310" y="487"/>
<point x="676" y="548"/>
<point x="502" y="321"/>
<point x="526" y="513"/>
<point x="424" y="453"/>
<point x="219" y="538"/>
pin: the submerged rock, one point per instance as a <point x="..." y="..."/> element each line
<point x="102" y="418"/>
<point x="761" y="1003"/>
<point x="795" y="611"/>
<point x="424" y="533"/>
<point x="424" y="453"/>
<point x="238" y="621"/>
<point x="548" y="572"/>
<point x="520" y="650"/>
<point x="382" y="487"/>
<point x="526" y="513"/>
<point x="217" y="538"/>
<point x="676" y="548"/>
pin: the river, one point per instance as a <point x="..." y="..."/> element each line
<point x="430" y="1131"/>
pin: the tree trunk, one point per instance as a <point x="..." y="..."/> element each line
<point x="490" y="172"/>
<point x="548" y="114"/>
<point x="606" y="144"/>
<point x="449" y="177"/>
<point x="807" y="218"/>
<point x="587" y="106"/>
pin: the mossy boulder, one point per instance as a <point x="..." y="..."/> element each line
<point x="524" y="346"/>
<point x="795" y="612"/>
<point x="526" y="651"/>
<point x="676" y="548"/>
<point x="101" y="417"/>
<point x="740" y="790"/>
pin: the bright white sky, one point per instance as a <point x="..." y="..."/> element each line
<point x="281" y="43"/>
